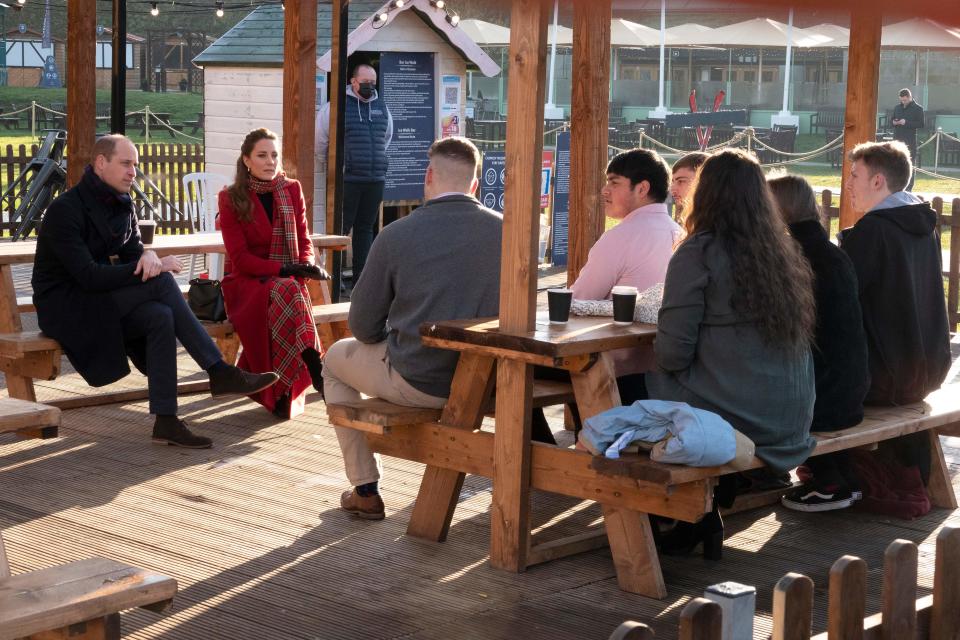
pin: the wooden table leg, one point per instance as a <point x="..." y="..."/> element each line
<point x="440" y="488"/>
<point x="628" y="532"/>
<point x="596" y="388"/>
<point x="17" y="386"/>
<point x="939" y="487"/>
<point x="510" y="510"/>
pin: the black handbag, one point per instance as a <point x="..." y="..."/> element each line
<point x="205" y="299"/>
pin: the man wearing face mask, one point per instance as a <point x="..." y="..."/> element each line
<point x="368" y="129"/>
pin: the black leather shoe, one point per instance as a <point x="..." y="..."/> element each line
<point x="231" y="381"/>
<point x="686" y="536"/>
<point x="172" y="431"/>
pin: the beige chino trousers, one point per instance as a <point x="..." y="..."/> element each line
<point x="352" y="368"/>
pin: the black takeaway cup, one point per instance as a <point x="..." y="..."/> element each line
<point x="147" y="228"/>
<point x="558" y="302"/>
<point x="624" y="302"/>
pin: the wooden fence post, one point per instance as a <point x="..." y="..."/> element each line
<point x="701" y="619"/>
<point x="945" y="615"/>
<point x="792" y="607"/>
<point x="631" y="630"/>
<point x="848" y="582"/>
<point x="900" y="591"/>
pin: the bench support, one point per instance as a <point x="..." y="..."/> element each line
<point x="105" y="628"/>
<point x="939" y="487"/>
<point x="440" y="488"/>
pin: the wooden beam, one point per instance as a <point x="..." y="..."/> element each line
<point x="81" y="86"/>
<point x="300" y="95"/>
<point x="588" y="128"/>
<point x="863" y="75"/>
<point x="510" y="510"/>
<point x="334" y="160"/>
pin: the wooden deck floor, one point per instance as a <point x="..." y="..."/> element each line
<point x="252" y="532"/>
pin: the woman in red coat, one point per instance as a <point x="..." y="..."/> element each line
<point x="269" y="254"/>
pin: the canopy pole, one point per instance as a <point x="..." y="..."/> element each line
<point x="550" y="110"/>
<point x="860" y="118"/>
<point x="661" y="110"/>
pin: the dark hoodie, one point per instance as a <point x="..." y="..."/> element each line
<point x="896" y="254"/>
<point x="840" y="349"/>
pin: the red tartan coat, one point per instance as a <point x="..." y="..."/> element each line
<point x="246" y="290"/>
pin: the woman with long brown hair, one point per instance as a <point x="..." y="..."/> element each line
<point x="735" y="328"/>
<point x="269" y="254"/>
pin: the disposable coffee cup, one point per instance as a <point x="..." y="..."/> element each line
<point x="558" y="301"/>
<point x="147" y="227"/>
<point x="624" y="302"/>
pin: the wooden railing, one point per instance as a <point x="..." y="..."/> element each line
<point x="164" y="164"/>
<point x="933" y="617"/>
<point x="947" y="222"/>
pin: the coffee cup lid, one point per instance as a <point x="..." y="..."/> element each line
<point x="624" y="290"/>
<point x="148" y="223"/>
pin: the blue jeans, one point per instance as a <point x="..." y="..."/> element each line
<point x="155" y="311"/>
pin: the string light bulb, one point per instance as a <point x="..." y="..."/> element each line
<point x="21" y="2"/>
<point x="154" y="10"/>
<point x="439" y="4"/>
<point x="453" y="19"/>
<point x="219" y="9"/>
<point x="397" y="4"/>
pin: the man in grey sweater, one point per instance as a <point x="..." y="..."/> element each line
<point x="442" y="262"/>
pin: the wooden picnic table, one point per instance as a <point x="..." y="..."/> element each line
<point x="31" y="361"/>
<point x="517" y="465"/>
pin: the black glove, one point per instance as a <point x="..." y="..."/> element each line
<point x="303" y="271"/>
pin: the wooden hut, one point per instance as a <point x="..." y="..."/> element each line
<point x="244" y="69"/>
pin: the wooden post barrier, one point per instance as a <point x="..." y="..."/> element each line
<point x="903" y="615"/>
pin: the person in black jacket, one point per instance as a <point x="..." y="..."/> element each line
<point x="895" y="249"/>
<point x="105" y="298"/>
<point x="907" y="118"/>
<point x="840" y="345"/>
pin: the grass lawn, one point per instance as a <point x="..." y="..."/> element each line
<point x="182" y="107"/>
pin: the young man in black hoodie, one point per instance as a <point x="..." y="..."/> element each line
<point x="895" y="250"/>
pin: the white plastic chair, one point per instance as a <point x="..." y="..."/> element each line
<point x="200" y="195"/>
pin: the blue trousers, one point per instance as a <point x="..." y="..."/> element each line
<point x="155" y="311"/>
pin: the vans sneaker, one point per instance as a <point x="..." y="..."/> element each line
<point x="813" y="498"/>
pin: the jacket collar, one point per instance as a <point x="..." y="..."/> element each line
<point x="93" y="209"/>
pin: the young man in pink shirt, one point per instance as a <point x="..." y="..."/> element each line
<point x="636" y="251"/>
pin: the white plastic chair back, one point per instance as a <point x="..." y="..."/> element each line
<point x="200" y="195"/>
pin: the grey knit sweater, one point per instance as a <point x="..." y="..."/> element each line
<point x="442" y="262"/>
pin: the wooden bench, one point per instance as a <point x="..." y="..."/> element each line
<point x="826" y="119"/>
<point x="29" y="419"/>
<point x="938" y="414"/>
<point x="77" y="600"/>
<point x="375" y="415"/>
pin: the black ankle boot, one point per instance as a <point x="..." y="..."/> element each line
<point x="232" y="381"/>
<point x="172" y="431"/>
<point x="311" y="358"/>
<point x="684" y="538"/>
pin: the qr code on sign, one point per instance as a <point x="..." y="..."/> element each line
<point x="451" y="95"/>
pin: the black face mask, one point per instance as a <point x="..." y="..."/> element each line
<point x="366" y="90"/>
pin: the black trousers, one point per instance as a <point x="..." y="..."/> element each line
<point x="155" y="312"/>
<point x="361" y="213"/>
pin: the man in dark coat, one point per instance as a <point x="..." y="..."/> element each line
<point x="895" y="249"/>
<point x="368" y="130"/>
<point x="105" y="298"/>
<point x="907" y="118"/>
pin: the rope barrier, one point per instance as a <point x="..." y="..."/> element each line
<point x="170" y="128"/>
<point x="935" y="175"/>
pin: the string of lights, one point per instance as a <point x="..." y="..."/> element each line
<point x="381" y="19"/>
<point x="148" y="7"/>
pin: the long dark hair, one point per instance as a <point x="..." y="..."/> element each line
<point x="772" y="281"/>
<point x="239" y="196"/>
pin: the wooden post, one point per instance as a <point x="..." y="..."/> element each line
<point x="81" y="86"/>
<point x="588" y="129"/>
<point x="945" y="616"/>
<point x="847" y="599"/>
<point x="510" y="512"/>
<point x="701" y="620"/>
<point x="300" y="95"/>
<point x="792" y="607"/>
<point x="900" y="590"/>
<point x="334" y="159"/>
<point x="863" y="74"/>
